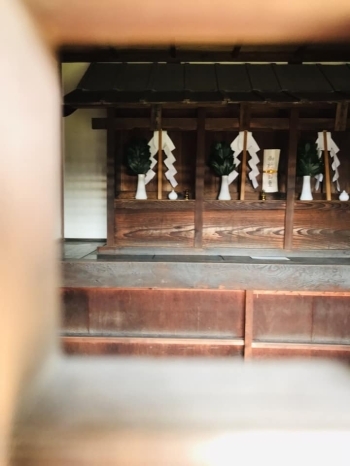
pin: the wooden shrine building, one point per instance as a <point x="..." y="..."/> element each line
<point x="199" y="275"/>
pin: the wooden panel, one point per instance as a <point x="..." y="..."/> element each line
<point x="331" y="319"/>
<point x="154" y="223"/>
<point x="321" y="225"/>
<point x="185" y="313"/>
<point x="283" y="350"/>
<point x="150" y="347"/>
<point x="242" y="228"/>
<point x="282" y="317"/>
<point x="75" y="307"/>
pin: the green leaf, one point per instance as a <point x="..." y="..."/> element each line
<point x="137" y="156"/>
<point x="221" y="159"/>
<point x="308" y="162"/>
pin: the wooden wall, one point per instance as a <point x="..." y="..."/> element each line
<point x="164" y="322"/>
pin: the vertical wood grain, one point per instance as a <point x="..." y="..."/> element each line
<point x="160" y="164"/>
<point x="341" y="116"/>
<point x="248" y="331"/>
<point x="244" y="124"/>
<point x="110" y="175"/>
<point x="200" y="169"/>
<point x="326" y="167"/>
<point x="291" y="173"/>
<point x="244" y="167"/>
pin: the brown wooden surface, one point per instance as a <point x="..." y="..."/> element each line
<point x="160" y="156"/>
<point x="217" y="54"/>
<point x="282" y="318"/>
<point x="297" y="350"/>
<point x="291" y="173"/>
<point x="321" y="225"/>
<point x="248" y="324"/>
<point x="157" y="312"/>
<point x="331" y="319"/>
<point x="199" y="186"/>
<point x="161" y="223"/>
<point x="150" y="346"/>
<point x="307" y="317"/>
<point x="243" y="167"/>
<point x="213" y="272"/>
<point x="326" y="167"/>
<point x="110" y="175"/>
<point x="341" y="117"/>
<point x="227" y="124"/>
<point x="242" y="228"/>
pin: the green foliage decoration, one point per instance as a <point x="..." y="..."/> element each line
<point x="221" y="159"/>
<point x="137" y="154"/>
<point x="308" y="163"/>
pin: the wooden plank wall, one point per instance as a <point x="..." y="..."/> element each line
<point x="321" y="225"/>
<point x="243" y="224"/>
<point x="154" y="223"/>
<point x="165" y="322"/>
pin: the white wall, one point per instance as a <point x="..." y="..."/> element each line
<point x="85" y="203"/>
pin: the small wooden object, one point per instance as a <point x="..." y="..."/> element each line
<point x="326" y="167"/>
<point x="160" y="164"/>
<point x="244" y="166"/>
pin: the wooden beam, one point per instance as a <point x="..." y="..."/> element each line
<point x="200" y="172"/>
<point x="291" y="174"/>
<point x="341" y="116"/>
<point x="143" y="346"/>
<point x="76" y="54"/>
<point x="248" y="326"/>
<point x="183" y="124"/>
<point x="216" y="124"/>
<point x="110" y="176"/>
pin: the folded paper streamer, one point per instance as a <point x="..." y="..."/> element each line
<point x="252" y="148"/>
<point x="167" y="147"/>
<point x="333" y="149"/>
<point x="270" y="170"/>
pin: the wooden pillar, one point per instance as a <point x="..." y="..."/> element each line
<point x="248" y="326"/>
<point x="244" y="123"/>
<point x="110" y="176"/>
<point x="341" y="116"/>
<point x="291" y="174"/>
<point x="199" y="187"/>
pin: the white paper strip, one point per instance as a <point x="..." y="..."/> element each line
<point x="333" y="149"/>
<point x="252" y="148"/>
<point x="270" y="168"/>
<point x="167" y="147"/>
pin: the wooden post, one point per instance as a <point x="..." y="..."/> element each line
<point x="248" y="331"/>
<point x="160" y="164"/>
<point x="341" y="116"/>
<point x="110" y="176"/>
<point x="244" y="167"/>
<point x="326" y="167"/>
<point x="244" y="124"/>
<point x="292" y="164"/>
<point x="199" y="187"/>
